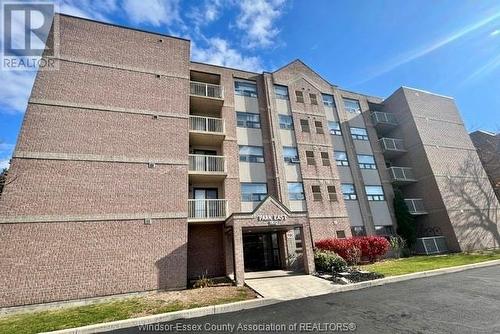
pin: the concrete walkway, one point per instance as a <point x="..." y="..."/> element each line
<point x="285" y="285"/>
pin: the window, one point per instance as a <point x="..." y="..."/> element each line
<point x="298" y="240"/>
<point x="341" y="158"/>
<point x="245" y="88"/>
<point x="384" y="230"/>
<point x="341" y="234"/>
<point x="251" y="153"/>
<point x="299" y="96"/>
<point x="248" y="120"/>
<point x="328" y="100"/>
<point x="319" y="127"/>
<point x="326" y="158"/>
<point x="359" y="133"/>
<point x="366" y="161"/>
<point x="358" y="231"/>
<point x="310" y="158"/>
<point x="290" y="154"/>
<point x="286" y="122"/>
<point x="332" y="193"/>
<point x="334" y="128"/>
<point x="295" y="191"/>
<point x="253" y="192"/>
<point x="316" y="190"/>
<point x="281" y="92"/>
<point x="304" y="124"/>
<point x="348" y="191"/>
<point x="375" y="193"/>
<point x="351" y="105"/>
<point x="313" y="98"/>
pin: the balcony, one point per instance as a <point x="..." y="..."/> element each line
<point x="415" y="206"/>
<point x="206" y="209"/>
<point x="383" y="121"/>
<point x="392" y="147"/>
<point x="402" y="175"/>
<point x="206" y="96"/>
<point x="206" y="131"/>
<point x="203" y="168"/>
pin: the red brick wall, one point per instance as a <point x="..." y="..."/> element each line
<point x="58" y="261"/>
<point x="205" y="250"/>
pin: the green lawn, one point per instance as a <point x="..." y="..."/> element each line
<point x="43" y="321"/>
<point x="422" y="263"/>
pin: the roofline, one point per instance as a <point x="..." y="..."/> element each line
<point x="229" y="68"/>
<point x="427" y="92"/>
<point x="312" y="70"/>
<point x="123" y="27"/>
<point x="489" y="133"/>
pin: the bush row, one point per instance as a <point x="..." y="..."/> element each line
<point x="370" y="248"/>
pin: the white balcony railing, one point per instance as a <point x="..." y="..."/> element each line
<point x="415" y="206"/>
<point x="404" y="174"/>
<point x="207" y="163"/>
<point x="206" y="124"/>
<point x="392" y="144"/>
<point x="379" y="117"/>
<point x="207" y="209"/>
<point x="207" y="90"/>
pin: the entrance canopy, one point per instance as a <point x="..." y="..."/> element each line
<point x="260" y="239"/>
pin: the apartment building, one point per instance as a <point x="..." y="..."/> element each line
<point x="142" y="170"/>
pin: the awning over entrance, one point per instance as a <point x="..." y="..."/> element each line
<point x="261" y="239"/>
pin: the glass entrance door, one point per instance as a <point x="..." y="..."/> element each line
<point x="261" y="251"/>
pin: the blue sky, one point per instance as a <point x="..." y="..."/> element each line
<point x="373" y="47"/>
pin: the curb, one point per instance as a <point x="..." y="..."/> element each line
<point x="407" y="277"/>
<point x="184" y="314"/>
<point x="249" y="304"/>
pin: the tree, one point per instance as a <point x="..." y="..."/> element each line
<point x="3" y="177"/>
<point x="406" y="224"/>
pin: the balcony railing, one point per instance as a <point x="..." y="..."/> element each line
<point x="206" y="124"/>
<point x="415" y="206"/>
<point x="402" y="174"/>
<point x="207" y="163"/>
<point x="204" y="209"/>
<point x="207" y="90"/>
<point x="386" y="118"/>
<point x="392" y="144"/>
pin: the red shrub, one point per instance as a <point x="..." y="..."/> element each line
<point x="372" y="247"/>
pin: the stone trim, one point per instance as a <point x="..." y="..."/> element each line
<point x="91" y="217"/>
<point x="76" y="60"/>
<point x="94" y="157"/>
<point x="87" y="106"/>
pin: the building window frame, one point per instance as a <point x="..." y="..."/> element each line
<point x="366" y="161"/>
<point x="245" y="88"/>
<point x="319" y="127"/>
<point x="384" y="230"/>
<point x="327" y="102"/>
<point x="358" y="133"/>
<point x="256" y="196"/>
<point x="332" y="193"/>
<point x="340" y="234"/>
<point x="334" y="128"/>
<point x="286" y="122"/>
<point x="325" y="157"/>
<point x="310" y="158"/>
<point x="299" y="96"/>
<point x="375" y="193"/>
<point x="313" y="98"/>
<point x="351" y="105"/>
<point x="304" y="125"/>
<point x="316" y="192"/>
<point x="251" y="156"/>
<point x="349" y="191"/>
<point x="283" y="95"/>
<point x="243" y="120"/>
<point x="296" y="191"/>
<point x="358" y="231"/>
<point x="341" y="158"/>
<point x="291" y="158"/>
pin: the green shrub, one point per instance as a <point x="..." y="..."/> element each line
<point x="203" y="282"/>
<point x="329" y="262"/>
<point x="398" y="244"/>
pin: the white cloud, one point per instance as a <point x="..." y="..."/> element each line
<point x="220" y="53"/>
<point x="412" y="55"/>
<point x="495" y="32"/>
<point x="16" y="88"/>
<point x="5" y="163"/>
<point x="154" y="12"/>
<point x="206" y="13"/>
<point x="257" y="18"/>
